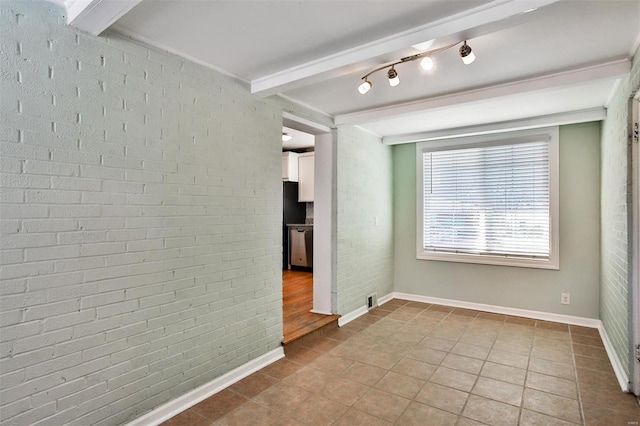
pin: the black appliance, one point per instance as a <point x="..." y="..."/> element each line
<point x="292" y="212"/>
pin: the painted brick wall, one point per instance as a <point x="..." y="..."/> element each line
<point x="615" y="291"/>
<point x="364" y="192"/>
<point x="140" y="223"/>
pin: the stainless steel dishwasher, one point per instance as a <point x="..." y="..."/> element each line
<point x="301" y="245"/>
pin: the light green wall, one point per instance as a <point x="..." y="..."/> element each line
<point x="364" y="219"/>
<point x="523" y="288"/>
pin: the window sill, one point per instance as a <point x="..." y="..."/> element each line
<point x="553" y="263"/>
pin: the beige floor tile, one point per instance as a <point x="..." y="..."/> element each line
<point x="562" y="357"/>
<point x="252" y="385"/>
<point x="188" y="418"/>
<point x="281" y="369"/>
<point x="380" y="359"/>
<point x="317" y="410"/>
<point x="498" y="391"/>
<point x="593" y="363"/>
<point x="564" y="371"/>
<point x="592" y="351"/>
<point x="363" y="373"/>
<point x="552" y="405"/>
<point x="250" y="413"/>
<point x="442" y="397"/>
<point x="491" y="412"/>
<point x="431" y="342"/>
<point x="607" y="397"/>
<point x="551" y="384"/>
<point x="355" y="417"/>
<point x="531" y="418"/>
<point x="219" y="405"/>
<point x="463" y="421"/>
<point x="331" y="364"/>
<point x="454" y="379"/>
<point x="414" y="368"/>
<point x="423" y="415"/>
<point x="504" y="373"/>
<point x="344" y="391"/>
<point x="586" y="340"/>
<point x="282" y="397"/>
<point x="595" y="415"/>
<point x="431" y="356"/>
<point x="462" y="363"/>
<point x="517" y="347"/>
<point x="382" y="404"/>
<point x="508" y="358"/>
<point x="309" y="378"/>
<point x="554" y="344"/>
<point x="400" y="384"/>
<point x="478" y="340"/>
<point x="472" y="351"/>
<point x="450" y="333"/>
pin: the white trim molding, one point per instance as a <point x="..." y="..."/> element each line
<point x="347" y="318"/>
<point x="516" y="312"/>
<point x="623" y="379"/>
<point x="189" y="399"/>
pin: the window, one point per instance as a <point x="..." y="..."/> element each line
<point x="490" y="199"/>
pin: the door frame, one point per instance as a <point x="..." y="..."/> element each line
<point x="635" y="244"/>
<point x="324" y="212"/>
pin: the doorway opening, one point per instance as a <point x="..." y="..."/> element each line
<point x="308" y="227"/>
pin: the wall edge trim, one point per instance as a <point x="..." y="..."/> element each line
<point x="623" y="379"/>
<point x="169" y="409"/>
<point x="347" y="318"/>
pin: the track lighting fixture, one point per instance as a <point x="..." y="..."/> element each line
<point x="394" y="80"/>
<point x="427" y="63"/>
<point x="467" y="54"/>
<point x="365" y="86"/>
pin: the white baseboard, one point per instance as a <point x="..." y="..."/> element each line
<point x="384" y="299"/>
<point x="623" y="379"/>
<point x="178" y="405"/>
<point x="544" y="316"/>
<point x="346" y="319"/>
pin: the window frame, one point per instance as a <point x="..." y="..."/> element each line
<point x="550" y="134"/>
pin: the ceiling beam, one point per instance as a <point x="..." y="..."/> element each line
<point x="576" y="76"/>
<point x="333" y="65"/>
<point x="559" y="119"/>
<point x="95" y="16"/>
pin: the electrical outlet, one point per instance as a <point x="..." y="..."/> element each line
<point x="565" y="298"/>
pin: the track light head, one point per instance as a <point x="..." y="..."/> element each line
<point x="467" y="54"/>
<point x="365" y="86"/>
<point x="426" y="63"/>
<point x="392" y="74"/>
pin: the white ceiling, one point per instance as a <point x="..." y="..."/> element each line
<point x="564" y="56"/>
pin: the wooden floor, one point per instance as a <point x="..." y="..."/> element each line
<point x="297" y="289"/>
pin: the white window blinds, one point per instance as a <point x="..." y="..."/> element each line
<point x="488" y="200"/>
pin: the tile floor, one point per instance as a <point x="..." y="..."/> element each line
<point x="411" y="363"/>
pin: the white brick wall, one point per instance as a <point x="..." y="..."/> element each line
<point x="615" y="291"/>
<point x="140" y="223"/>
<point x="365" y="250"/>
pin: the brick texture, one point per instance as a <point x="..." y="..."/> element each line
<point x="615" y="290"/>
<point x="141" y="223"/>
<point x="364" y="219"/>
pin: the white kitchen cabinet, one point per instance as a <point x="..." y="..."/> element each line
<point x="305" y="177"/>
<point x="289" y="166"/>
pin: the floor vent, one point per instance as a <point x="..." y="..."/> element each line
<point x="372" y="300"/>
